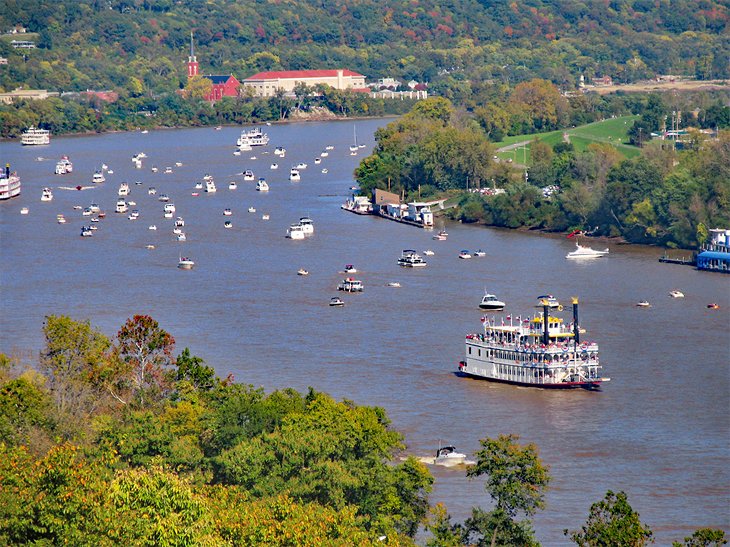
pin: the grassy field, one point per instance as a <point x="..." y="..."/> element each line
<point x="611" y="131"/>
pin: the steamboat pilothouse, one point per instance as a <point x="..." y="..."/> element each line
<point x="540" y="351"/>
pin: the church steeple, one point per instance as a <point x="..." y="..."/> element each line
<point x="192" y="61"/>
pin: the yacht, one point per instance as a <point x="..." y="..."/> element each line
<point x="232" y="185"/>
<point x="585" y="252"/>
<point x="448" y="456"/>
<point x="411" y="259"/>
<point x="350" y="284"/>
<point x="307" y="225"/>
<point x="64" y="166"/>
<point x="210" y="185"/>
<point x="185" y="263"/>
<point x="676" y="294"/>
<point x="252" y="137"/>
<point x="248" y="175"/>
<point x="98" y="177"/>
<point x="35" y="136"/>
<point x="122" y="206"/>
<point x="262" y="185"/>
<point x="9" y="183"/>
<point x="123" y="189"/>
<point x="464" y="254"/>
<point x="47" y="195"/>
<point x="294" y="175"/>
<point x="491" y="303"/>
<point x="295" y="231"/>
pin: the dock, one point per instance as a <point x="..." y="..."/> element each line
<point x="681" y="260"/>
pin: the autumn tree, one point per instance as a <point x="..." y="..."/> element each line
<point x="612" y="521"/>
<point x="516" y="480"/>
<point x="198" y="87"/>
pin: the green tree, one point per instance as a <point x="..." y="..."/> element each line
<point x="516" y="479"/>
<point x="704" y="537"/>
<point x="612" y="521"/>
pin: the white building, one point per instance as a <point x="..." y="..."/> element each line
<point x="266" y="84"/>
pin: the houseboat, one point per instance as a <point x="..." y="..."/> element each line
<point x="715" y="256"/>
<point x="411" y="259"/>
<point x="539" y="351"/>
<point x="9" y="183"/>
<point x="35" y="136"/>
<point x="350" y="284"/>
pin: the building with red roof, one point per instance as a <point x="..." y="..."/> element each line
<point x="265" y="84"/>
<point x="223" y="86"/>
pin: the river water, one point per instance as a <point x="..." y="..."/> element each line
<point x="659" y="430"/>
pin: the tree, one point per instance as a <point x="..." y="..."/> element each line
<point x="704" y="537"/>
<point x="612" y="521"/>
<point x="198" y="87"/>
<point x="191" y="368"/>
<point x="516" y="481"/>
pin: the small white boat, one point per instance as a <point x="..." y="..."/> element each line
<point x="248" y="176"/>
<point x="152" y="227"/>
<point x="317" y="161"/>
<point x="491" y="303"/>
<point x="24" y="211"/>
<point x="94" y="208"/>
<point x="94" y="219"/>
<point x="585" y="252"/>
<point x="262" y="185"/>
<point x="349" y="268"/>
<point x="302" y="271"/>
<point x="122" y="206"/>
<point x="164" y="198"/>
<point x="182" y="237"/>
<point x="151" y="190"/>
<point x="227" y="212"/>
<point x="301" y="165"/>
<point x="228" y="224"/>
<point x="336" y="301"/>
<point x="198" y="185"/>
<point x="236" y="152"/>
<point x="185" y="263"/>
<point x="144" y="131"/>
<point x="441" y="236"/>
<point x="350" y="284"/>
<point x="252" y="209"/>
<point x="168" y="170"/>
<point x="479" y="253"/>
<point x="274" y="166"/>
<point x="154" y="169"/>
<point x="134" y="215"/>
<point x="324" y="154"/>
<point x="676" y="294"/>
<point x="325" y="171"/>
<point x="264" y="217"/>
<point x="643" y="304"/>
<point x="168" y="214"/>
<point x="123" y="189"/>
<point x="47" y="195"/>
<point x="177" y="230"/>
<point x="294" y="175"/>
<point x="552" y="302"/>
<point x="464" y="254"/>
<point x="178" y="164"/>
<point x="86" y="212"/>
<point x="295" y="231"/>
<point x="179" y="222"/>
<point x="393" y="284"/>
<point x="329" y="147"/>
<point x="448" y="456"/>
<point x="98" y="177"/>
<point x="109" y="171"/>
<point x="60" y="219"/>
<point x="279" y="151"/>
<point x="86" y="231"/>
<point x="307" y="225"/>
<point x="428" y="252"/>
<point x="169" y="207"/>
<point x="232" y="185"/>
<point x="149" y="246"/>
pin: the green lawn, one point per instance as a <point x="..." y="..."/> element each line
<point x="611" y="131"/>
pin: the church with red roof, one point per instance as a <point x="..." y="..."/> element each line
<point x="265" y="84"/>
<point x="223" y="86"/>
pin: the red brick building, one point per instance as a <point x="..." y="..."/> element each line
<point x="223" y="86"/>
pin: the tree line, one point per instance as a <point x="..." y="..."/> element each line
<point x="121" y="441"/>
<point x="666" y="195"/>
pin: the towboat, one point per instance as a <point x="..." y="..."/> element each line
<point x="539" y="351"/>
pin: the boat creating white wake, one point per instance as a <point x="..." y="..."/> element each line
<point x="540" y="351"/>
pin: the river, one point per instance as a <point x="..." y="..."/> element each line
<point x="659" y="430"/>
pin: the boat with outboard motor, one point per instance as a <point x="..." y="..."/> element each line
<point x="539" y="351"/>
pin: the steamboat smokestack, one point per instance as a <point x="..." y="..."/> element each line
<point x="7" y="170"/>
<point x="545" y="317"/>
<point x="576" y="329"/>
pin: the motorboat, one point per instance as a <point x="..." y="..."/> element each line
<point x="552" y="302"/>
<point x="428" y="252"/>
<point x="325" y="171"/>
<point x="153" y="169"/>
<point x="393" y="284"/>
<point x="167" y="214"/>
<point x="491" y="303"/>
<point x="185" y="263"/>
<point x="411" y="259"/>
<point x="163" y="198"/>
<point x="324" y="154"/>
<point x="168" y="170"/>
<point x="713" y="306"/>
<point x="123" y="189"/>
<point x="349" y="268"/>
<point x="302" y="271"/>
<point x="98" y="177"/>
<point x="441" y="236"/>
<point x="134" y="215"/>
<point x="182" y="237"/>
<point x="86" y="212"/>
<point x="317" y="161"/>
<point x="227" y="212"/>
<point x="149" y="246"/>
<point x="265" y="217"/>
<point x="262" y="185"/>
<point x="447" y="455"/>
<point x="350" y="284"/>
<point x="301" y="165"/>
<point x="295" y="231"/>
<point x="151" y="190"/>
<point x="274" y="166"/>
<point x="94" y="208"/>
<point x="307" y="225"/>
<point x="280" y="151"/>
<point x="479" y="253"/>
<point x="152" y="227"/>
<point x="94" y="219"/>
<point x="64" y="166"/>
<point x="676" y="294"/>
<point x="294" y="175"/>
<point x="232" y="185"/>
<point x="248" y="176"/>
<point x="228" y="224"/>
<point x="329" y="147"/>
<point x="198" y="185"/>
<point x="60" y="219"/>
<point x="179" y="222"/>
<point x="252" y="209"/>
<point x="210" y="185"/>
<point x="86" y="231"/>
<point x="177" y="230"/>
<point x="464" y="254"/>
<point x="169" y="208"/>
<point x="586" y="252"/>
<point x="24" y="210"/>
<point x="643" y="304"/>
<point x="47" y="195"/>
<point x="236" y="152"/>
<point x="122" y="206"/>
<point x="336" y="301"/>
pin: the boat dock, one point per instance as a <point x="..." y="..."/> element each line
<point x="681" y="260"/>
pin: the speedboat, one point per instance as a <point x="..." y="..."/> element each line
<point x="350" y="284"/>
<point x="552" y="302"/>
<point x="447" y="455"/>
<point x="336" y="301"/>
<point x="643" y="304"/>
<point x="480" y="253"/>
<point x="252" y="209"/>
<point x="227" y="212"/>
<point x="411" y="259"/>
<point x="265" y="217"/>
<point x="262" y="185"/>
<point x="302" y="271"/>
<point x="464" y="254"/>
<point x="349" y="268"/>
<point x="168" y="170"/>
<point x="393" y="284"/>
<point x="232" y="185"/>
<point x="294" y="175"/>
<point x="185" y="263"/>
<point x="428" y="252"/>
<point x="228" y="224"/>
<point x="25" y="211"/>
<point x="491" y="303"/>
<point x="441" y="236"/>
<point x="586" y="252"/>
<point x="317" y="161"/>
<point x="676" y="294"/>
<point x="47" y="195"/>
<point x="248" y="175"/>
<point x="274" y="166"/>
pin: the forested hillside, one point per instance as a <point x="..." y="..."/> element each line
<point x="140" y="46"/>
